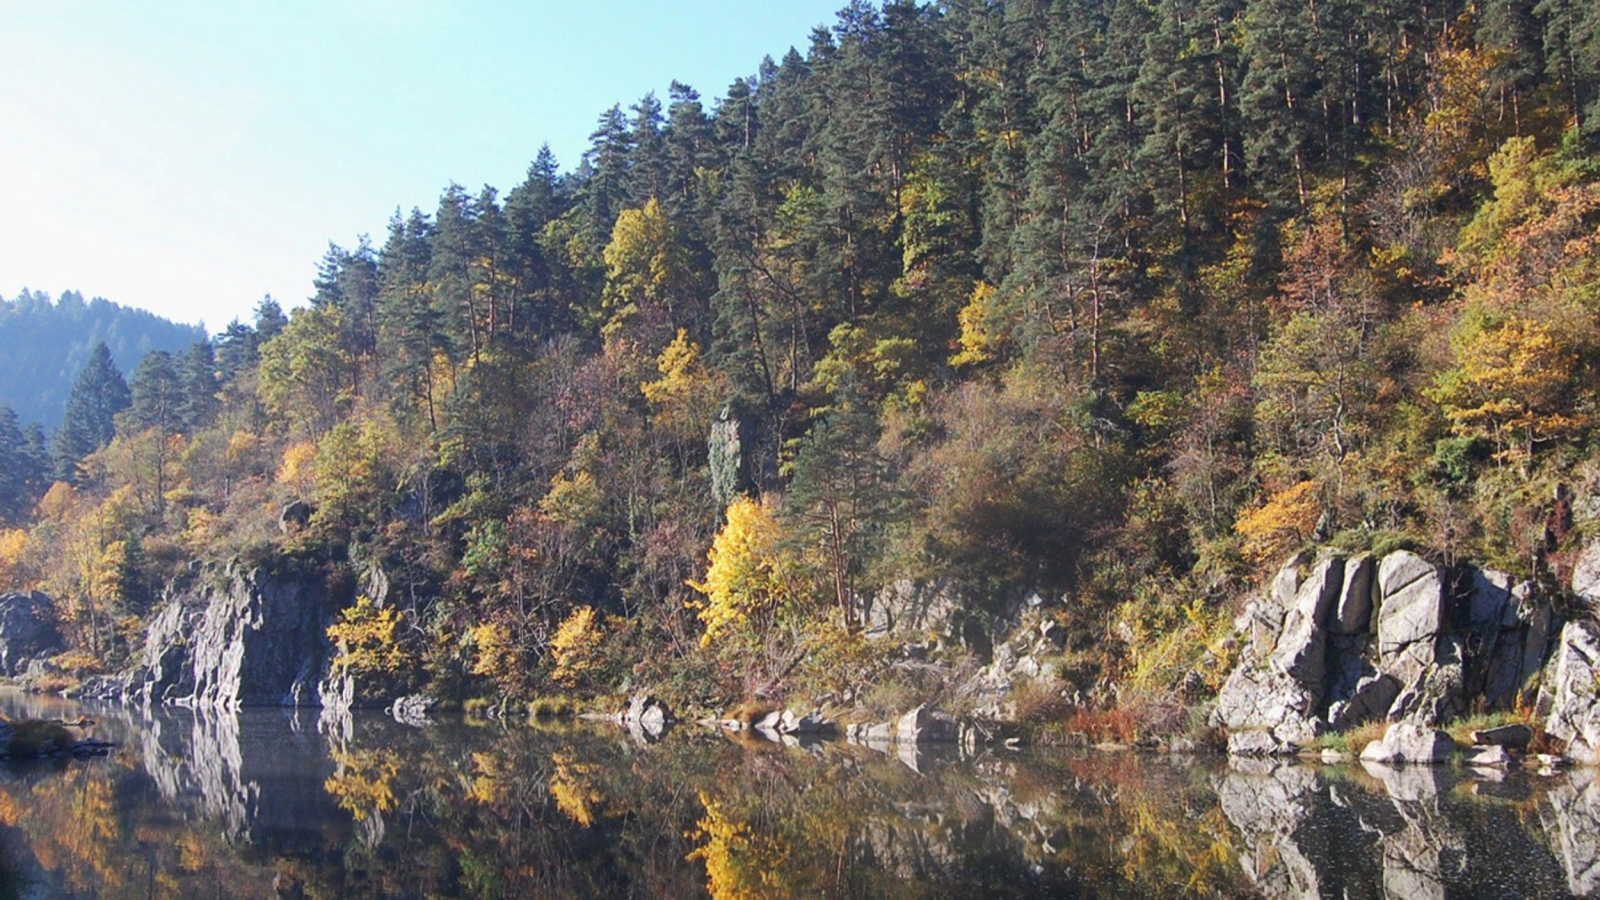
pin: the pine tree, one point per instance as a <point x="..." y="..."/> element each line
<point x="157" y="395"/>
<point x="15" y="499"/>
<point x="90" y="422"/>
<point x="198" y="377"/>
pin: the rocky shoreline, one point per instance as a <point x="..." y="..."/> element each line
<point x="1334" y="643"/>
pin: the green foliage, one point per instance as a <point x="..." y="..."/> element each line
<point x="1114" y="302"/>
<point x="98" y="396"/>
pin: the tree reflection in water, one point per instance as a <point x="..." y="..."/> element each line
<point x="268" y="804"/>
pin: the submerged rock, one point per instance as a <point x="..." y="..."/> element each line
<point x="1491" y="755"/>
<point x="39" y="738"/>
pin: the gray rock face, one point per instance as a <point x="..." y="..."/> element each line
<point x="27" y="631"/>
<point x="1407" y="742"/>
<point x="1301" y="652"/>
<point x="1280" y="693"/>
<point x="930" y="607"/>
<point x="340" y="690"/>
<point x="1410" y="618"/>
<point x="1348" y="641"/>
<point x="254" y="639"/>
<point x="1586" y="577"/>
<point x="725" y="454"/>
<point x="1354" y="610"/>
<point x="1570" y="690"/>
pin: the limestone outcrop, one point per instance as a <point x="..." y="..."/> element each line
<point x="1342" y="640"/>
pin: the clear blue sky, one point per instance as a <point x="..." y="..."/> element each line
<point x="189" y="157"/>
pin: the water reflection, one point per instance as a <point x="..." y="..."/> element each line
<point x="277" y="805"/>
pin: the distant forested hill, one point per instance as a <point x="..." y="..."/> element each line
<point x="45" y="343"/>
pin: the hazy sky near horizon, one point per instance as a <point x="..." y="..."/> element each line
<point x="189" y="158"/>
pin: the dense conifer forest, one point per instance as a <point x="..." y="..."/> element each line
<point x="1115" y="301"/>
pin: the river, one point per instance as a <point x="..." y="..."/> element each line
<point x="279" y="804"/>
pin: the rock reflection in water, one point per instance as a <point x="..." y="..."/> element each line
<point x="1407" y="833"/>
<point x="268" y="804"/>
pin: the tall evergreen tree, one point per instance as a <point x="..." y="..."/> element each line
<point x="157" y="395"/>
<point x="98" y="396"/>
<point x="198" y="376"/>
<point x="17" y="478"/>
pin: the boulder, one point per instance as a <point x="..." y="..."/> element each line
<point x="1516" y="736"/>
<point x="412" y="710"/>
<point x="1407" y="742"/>
<point x="295" y="516"/>
<point x="925" y="726"/>
<point x="27" y="631"/>
<point x="790" y="723"/>
<point x="647" y="711"/>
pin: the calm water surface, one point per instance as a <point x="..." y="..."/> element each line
<point x="274" y="804"/>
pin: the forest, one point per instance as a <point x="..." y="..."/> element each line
<point x="1118" y="302"/>
<point x="46" y="343"/>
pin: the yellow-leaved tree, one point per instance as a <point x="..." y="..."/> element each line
<point x="647" y="262"/>
<point x="1285" y="521"/>
<point x="575" y="647"/>
<point x="747" y="581"/>
<point x="687" y="394"/>
<point x="1511" y="384"/>
<point x="13" y="543"/>
<point x="368" y="640"/>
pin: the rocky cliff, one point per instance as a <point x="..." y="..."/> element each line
<point x="1338" y="641"/>
<point x="243" y="638"/>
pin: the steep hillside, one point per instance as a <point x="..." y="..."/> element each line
<point x="1097" y="308"/>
